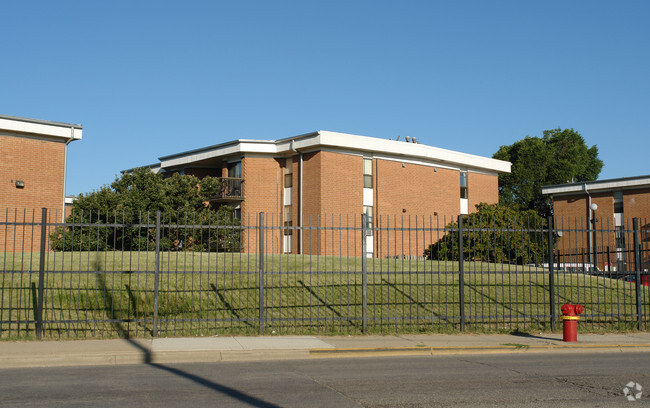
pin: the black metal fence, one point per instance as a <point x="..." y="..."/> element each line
<point x="181" y="276"/>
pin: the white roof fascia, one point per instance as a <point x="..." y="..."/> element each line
<point x="413" y="150"/>
<point x="604" y="185"/>
<point x="303" y="142"/>
<point x="226" y="149"/>
<point x="41" y="127"/>
<point x="393" y="148"/>
<point x="342" y="141"/>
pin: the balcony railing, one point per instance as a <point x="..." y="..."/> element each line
<point x="231" y="189"/>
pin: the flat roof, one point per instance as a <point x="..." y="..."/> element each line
<point x="314" y="140"/>
<point x="598" y="185"/>
<point x="41" y="127"/>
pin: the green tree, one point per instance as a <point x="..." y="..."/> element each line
<point x="495" y="233"/>
<point x="560" y="156"/>
<point x="120" y="216"/>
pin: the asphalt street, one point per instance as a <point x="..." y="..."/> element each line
<point x="471" y="380"/>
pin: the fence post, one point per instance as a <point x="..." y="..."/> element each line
<point x="156" y="277"/>
<point x="551" y="271"/>
<point x="461" y="273"/>
<point x="261" y="269"/>
<point x="41" y="275"/>
<point x="364" y="273"/>
<point x="637" y="268"/>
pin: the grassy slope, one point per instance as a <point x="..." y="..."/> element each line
<point x="112" y="294"/>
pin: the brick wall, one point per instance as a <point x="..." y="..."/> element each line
<point x="415" y="190"/>
<point x="571" y="215"/>
<point x="262" y="189"/>
<point x="40" y="165"/>
<point x="411" y="196"/>
<point x="311" y="206"/>
<point x="333" y="194"/>
<point x="482" y="188"/>
<point x="405" y="195"/>
<point x="636" y="203"/>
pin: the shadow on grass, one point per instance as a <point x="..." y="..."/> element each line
<point x="147" y="357"/>
<point x="136" y="313"/>
<point x="492" y="299"/>
<point x="324" y="302"/>
<point x="228" y="306"/>
<point x="409" y="297"/>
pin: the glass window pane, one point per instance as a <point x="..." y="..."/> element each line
<point x="288" y="180"/>
<point x="288" y="166"/>
<point x="234" y="170"/>
<point x="367" y="181"/>
<point x="463" y="184"/>
<point x="463" y="179"/>
<point x="367" y="166"/>
<point x="368" y="211"/>
<point x="618" y="201"/>
<point x="288" y="216"/>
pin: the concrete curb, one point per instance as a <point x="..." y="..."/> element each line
<point x="433" y="351"/>
<point x="193" y="356"/>
<point x="23" y="354"/>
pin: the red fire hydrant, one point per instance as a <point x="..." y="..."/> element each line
<point x="570" y="321"/>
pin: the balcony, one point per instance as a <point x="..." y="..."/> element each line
<point x="231" y="190"/>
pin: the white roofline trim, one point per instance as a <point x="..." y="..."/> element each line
<point x="41" y="127"/>
<point x="599" y="185"/>
<point x="343" y="141"/>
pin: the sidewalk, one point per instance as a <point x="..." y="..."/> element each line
<point x="214" y="349"/>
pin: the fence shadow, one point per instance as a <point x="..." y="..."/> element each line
<point x="323" y="301"/>
<point x="413" y="301"/>
<point x="228" y="306"/>
<point x="147" y="356"/>
<point x="229" y="391"/>
<point x="527" y="335"/>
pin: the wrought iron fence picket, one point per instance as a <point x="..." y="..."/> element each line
<point x="181" y="275"/>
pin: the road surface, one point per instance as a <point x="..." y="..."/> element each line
<point x="517" y="380"/>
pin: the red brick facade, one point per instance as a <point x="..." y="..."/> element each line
<point x="410" y="184"/>
<point x="32" y="177"/>
<point x="404" y="195"/>
<point x="581" y="236"/>
<point x="39" y="165"/>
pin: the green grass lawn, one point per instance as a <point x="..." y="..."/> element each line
<point x="111" y="294"/>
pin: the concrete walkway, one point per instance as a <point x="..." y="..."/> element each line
<point x="214" y="349"/>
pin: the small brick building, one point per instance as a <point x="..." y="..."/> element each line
<point x="597" y="217"/>
<point x="33" y="155"/>
<point x="327" y="179"/>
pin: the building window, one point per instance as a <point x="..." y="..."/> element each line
<point x="367" y="173"/>
<point x="367" y="209"/>
<point x="288" y="220"/>
<point x="620" y="237"/>
<point x="463" y="184"/>
<point x="618" y="202"/>
<point x="234" y="169"/>
<point x="288" y="172"/>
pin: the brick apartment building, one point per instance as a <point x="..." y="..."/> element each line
<point x="33" y="155"/>
<point x="326" y="179"/>
<point x="598" y="216"/>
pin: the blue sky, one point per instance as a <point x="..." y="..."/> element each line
<point x="152" y="78"/>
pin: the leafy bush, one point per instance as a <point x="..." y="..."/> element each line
<point x="495" y="233"/>
<point x="122" y="216"/>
